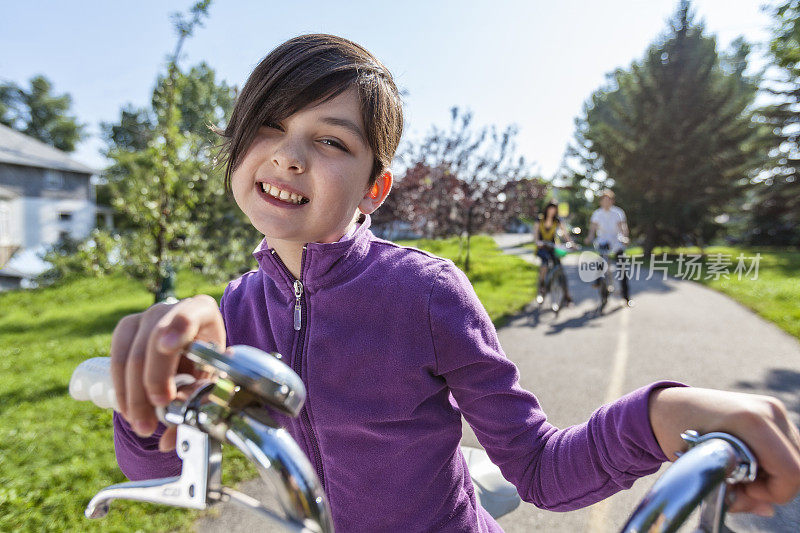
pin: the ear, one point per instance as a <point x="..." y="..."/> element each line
<point x="377" y="193"/>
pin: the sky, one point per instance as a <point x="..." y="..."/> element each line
<point x="532" y="63"/>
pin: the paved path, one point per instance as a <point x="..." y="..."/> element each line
<point x="576" y="361"/>
<point x="677" y="330"/>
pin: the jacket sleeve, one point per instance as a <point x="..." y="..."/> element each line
<point x="139" y="457"/>
<point x="556" y="469"/>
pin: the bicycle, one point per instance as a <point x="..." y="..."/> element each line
<point x="249" y="382"/>
<point x="554" y="284"/>
<point x="605" y="283"/>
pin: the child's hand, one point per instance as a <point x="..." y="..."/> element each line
<point x="760" y="421"/>
<point x="146" y="353"/>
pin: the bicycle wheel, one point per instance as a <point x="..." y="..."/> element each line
<point x="558" y="290"/>
<point x="603" y="288"/>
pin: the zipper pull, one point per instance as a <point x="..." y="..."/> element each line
<point x="298" y="311"/>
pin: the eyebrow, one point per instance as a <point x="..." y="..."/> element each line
<point x="348" y="125"/>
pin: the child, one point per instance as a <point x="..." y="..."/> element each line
<point x="383" y="335"/>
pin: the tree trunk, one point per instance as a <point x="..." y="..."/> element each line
<point x="469" y="234"/>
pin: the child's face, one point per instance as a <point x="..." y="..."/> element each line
<point x="317" y="162"/>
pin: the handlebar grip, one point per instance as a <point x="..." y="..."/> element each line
<point x="91" y="381"/>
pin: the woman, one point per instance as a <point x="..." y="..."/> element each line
<point x="545" y="232"/>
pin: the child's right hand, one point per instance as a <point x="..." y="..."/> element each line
<point x="147" y="351"/>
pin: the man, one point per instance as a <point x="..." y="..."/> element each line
<point x="611" y="228"/>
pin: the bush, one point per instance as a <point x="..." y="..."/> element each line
<point x="97" y="255"/>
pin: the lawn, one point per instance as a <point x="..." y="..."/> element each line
<point x="775" y="292"/>
<point x="55" y="453"/>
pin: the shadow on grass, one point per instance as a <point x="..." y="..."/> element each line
<point x="76" y="327"/>
<point x="16" y="397"/>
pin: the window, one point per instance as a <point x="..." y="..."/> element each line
<point x="53" y="179"/>
<point x="65" y="216"/>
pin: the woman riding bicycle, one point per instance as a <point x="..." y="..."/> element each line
<point x="545" y="232"/>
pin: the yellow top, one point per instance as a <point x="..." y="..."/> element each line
<point x="548" y="234"/>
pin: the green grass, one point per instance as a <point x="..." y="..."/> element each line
<point x="504" y="283"/>
<point x="774" y="294"/>
<point x="55" y="453"/>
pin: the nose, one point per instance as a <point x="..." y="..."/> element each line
<point x="289" y="155"/>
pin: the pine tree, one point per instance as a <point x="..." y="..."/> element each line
<point x="776" y="206"/>
<point x="674" y="134"/>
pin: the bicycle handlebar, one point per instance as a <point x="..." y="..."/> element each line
<point x="234" y="409"/>
<point x="700" y="476"/>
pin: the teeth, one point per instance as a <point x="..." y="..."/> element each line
<point x="286" y="196"/>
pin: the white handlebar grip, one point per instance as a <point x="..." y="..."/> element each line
<point x="92" y="381"/>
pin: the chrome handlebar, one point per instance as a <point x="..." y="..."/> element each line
<point x="234" y="408"/>
<point x="700" y="476"/>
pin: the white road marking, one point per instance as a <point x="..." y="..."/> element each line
<point x="598" y="517"/>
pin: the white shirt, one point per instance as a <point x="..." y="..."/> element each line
<point x="608" y="226"/>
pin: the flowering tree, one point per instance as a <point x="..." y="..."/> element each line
<point x="463" y="180"/>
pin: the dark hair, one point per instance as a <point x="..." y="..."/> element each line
<point x="310" y="69"/>
<point x="548" y="206"/>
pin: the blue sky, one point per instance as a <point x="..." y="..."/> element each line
<point x="530" y="63"/>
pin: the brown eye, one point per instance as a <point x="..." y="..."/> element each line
<point x="334" y="143"/>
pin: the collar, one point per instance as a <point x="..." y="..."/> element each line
<point x="324" y="264"/>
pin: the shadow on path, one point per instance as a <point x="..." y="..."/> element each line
<point x="784" y="383"/>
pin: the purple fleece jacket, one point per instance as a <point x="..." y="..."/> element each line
<point x="388" y="334"/>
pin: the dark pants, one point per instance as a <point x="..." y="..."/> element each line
<point x="624" y="274"/>
<point x="620" y="266"/>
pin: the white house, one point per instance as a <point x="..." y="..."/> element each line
<point x="44" y="196"/>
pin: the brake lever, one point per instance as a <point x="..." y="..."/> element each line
<point x="198" y="485"/>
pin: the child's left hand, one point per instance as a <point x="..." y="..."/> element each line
<point x="760" y="421"/>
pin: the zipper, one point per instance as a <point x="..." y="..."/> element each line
<point x="298" y="309"/>
<point x="299" y="325"/>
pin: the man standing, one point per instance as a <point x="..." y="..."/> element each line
<point x="611" y="228"/>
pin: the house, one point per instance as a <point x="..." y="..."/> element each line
<point x="44" y="196"/>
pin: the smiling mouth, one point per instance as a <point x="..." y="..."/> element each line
<point x="282" y="195"/>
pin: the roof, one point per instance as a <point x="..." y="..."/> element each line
<point x="19" y="149"/>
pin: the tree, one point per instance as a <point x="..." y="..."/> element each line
<point x="674" y="134"/>
<point x="164" y="181"/>
<point x="459" y="181"/>
<point x="775" y="217"/>
<point x="39" y="113"/>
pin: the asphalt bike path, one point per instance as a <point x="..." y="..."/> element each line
<point x="577" y="360"/>
<point x="678" y="330"/>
